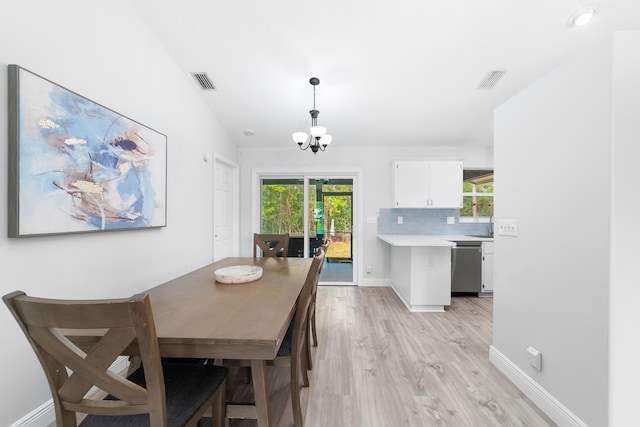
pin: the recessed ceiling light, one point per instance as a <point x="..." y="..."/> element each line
<point x="248" y="132"/>
<point x="582" y="16"/>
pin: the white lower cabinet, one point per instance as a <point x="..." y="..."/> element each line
<point x="487" y="266"/>
<point x="421" y="276"/>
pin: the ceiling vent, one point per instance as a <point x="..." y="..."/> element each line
<point x="203" y="81"/>
<point x="491" y="79"/>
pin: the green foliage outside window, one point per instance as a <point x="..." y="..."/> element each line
<point x="477" y="196"/>
<point x="282" y="209"/>
<point x="338" y="208"/>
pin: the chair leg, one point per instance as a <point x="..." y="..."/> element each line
<point x="303" y="360"/>
<point x="227" y="382"/>
<point x="313" y="326"/>
<point x="305" y="378"/>
<point x="219" y="407"/>
<point x="307" y="342"/>
<point x="295" y="393"/>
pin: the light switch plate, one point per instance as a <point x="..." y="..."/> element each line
<point x="372" y="220"/>
<point x="451" y="220"/>
<point x="534" y="357"/>
<point x="508" y="227"/>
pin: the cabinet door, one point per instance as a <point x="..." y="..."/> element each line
<point x="487" y="267"/>
<point x="445" y="184"/>
<point x="411" y="180"/>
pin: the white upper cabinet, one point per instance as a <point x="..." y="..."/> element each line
<point x="427" y="184"/>
<point x="411" y="184"/>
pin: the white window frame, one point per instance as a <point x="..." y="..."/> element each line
<point x="472" y="219"/>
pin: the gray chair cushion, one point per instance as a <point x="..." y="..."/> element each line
<point x="187" y="388"/>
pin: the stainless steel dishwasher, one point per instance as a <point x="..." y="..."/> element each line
<point x="466" y="267"/>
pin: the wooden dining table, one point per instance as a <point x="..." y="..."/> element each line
<point x="195" y="316"/>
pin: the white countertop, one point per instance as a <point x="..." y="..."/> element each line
<point x="428" y="239"/>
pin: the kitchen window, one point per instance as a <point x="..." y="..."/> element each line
<point x="477" y="196"/>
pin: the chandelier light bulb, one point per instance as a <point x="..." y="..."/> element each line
<point x="318" y="131"/>
<point x="300" y="137"/>
<point x="326" y="140"/>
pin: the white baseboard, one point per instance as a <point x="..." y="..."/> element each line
<point x="418" y="308"/>
<point x="45" y="414"/>
<point x="534" y="391"/>
<point x="376" y="282"/>
<point x="42" y="416"/>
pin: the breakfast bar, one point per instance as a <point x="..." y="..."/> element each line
<point x="421" y="270"/>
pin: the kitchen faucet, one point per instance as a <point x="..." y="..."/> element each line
<point x="491" y="225"/>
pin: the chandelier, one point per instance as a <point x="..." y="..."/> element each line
<point x="319" y="138"/>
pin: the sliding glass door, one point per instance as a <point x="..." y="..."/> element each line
<point x="311" y="210"/>
<point x="332" y="203"/>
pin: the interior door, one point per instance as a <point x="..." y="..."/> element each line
<point x="223" y="210"/>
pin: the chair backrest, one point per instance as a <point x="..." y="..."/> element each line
<point x="325" y="244"/>
<point x="271" y="244"/>
<point x="324" y="247"/>
<point x="121" y="325"/>
<point x="321" y="255"/>
<point x="304" y="301"/>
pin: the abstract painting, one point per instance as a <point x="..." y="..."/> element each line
<point x="76" y="166"/>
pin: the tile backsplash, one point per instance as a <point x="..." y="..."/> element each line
<point x="426" y="221"/>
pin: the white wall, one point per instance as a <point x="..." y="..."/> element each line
<point x="104" y="51"/>
<point x="375" y="164"/>
<point x="624" y="316"/>
<point x="552" y="150"/>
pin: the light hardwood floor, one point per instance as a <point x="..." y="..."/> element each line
<point x="378" y="365"/>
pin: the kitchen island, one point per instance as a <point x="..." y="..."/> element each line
<point x="421" y="269"/>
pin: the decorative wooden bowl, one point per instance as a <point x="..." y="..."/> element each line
<point x="238" y="274"/>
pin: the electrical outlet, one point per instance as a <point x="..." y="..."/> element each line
<point x="535" y="358"/>
<point x="508" y="227"/>
<point x="451" y="220"/>
<point x="399" y="220"/>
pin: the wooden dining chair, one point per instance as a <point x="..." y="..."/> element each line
<point x="271" y="244"/>
<point x="293" y="350"/>
<point x="294" y="347"/>
<point x="312" y="308"/>
<point x="157" y="394"/>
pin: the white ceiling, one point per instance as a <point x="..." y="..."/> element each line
<point x="401" y="72"/>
